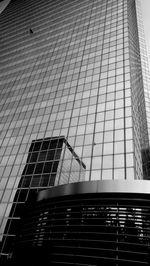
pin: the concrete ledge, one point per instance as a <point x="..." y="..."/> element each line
<point x="105" y="186"/>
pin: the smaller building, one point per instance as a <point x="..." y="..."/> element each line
<point x="50" y="162"/>
<point x="87" y="223"/>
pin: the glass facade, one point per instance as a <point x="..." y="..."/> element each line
<point x="69" y="69"/>
<point x="146" y="85"/>
<point x="91" y="230"/>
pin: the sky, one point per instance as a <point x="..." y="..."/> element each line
<point x="146" y="18"/>
<point x="3" y="4"/>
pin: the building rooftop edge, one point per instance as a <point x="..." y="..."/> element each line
<point x="103" y="186"/>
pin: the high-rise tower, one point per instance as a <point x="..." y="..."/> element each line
<point x="74" y="133"/>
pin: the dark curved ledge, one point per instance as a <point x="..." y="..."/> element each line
<point x="105" y="186"/>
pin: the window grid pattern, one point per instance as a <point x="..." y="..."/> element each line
<point x="70" y="77"/>
<point x="146" y="85"/>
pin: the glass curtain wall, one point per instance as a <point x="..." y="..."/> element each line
<point x="72" y="69"/>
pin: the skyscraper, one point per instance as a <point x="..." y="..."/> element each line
<point x="74" y="133"/>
